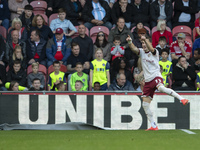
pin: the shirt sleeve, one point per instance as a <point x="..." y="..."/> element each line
<point x="197" y="23"/>
<point x="91" y="66"/>
<point x="107" y="66"/>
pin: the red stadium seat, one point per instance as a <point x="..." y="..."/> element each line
<point x="197" y="15"/>
<point x="39" y="7"/>
<point x="154" y="29"/>
<point x="3" y="32"/>
<point x="194" y="33"/>
<point x="96" y="29"/>
<point x="52" y="17"/>
<point x="77" y="34"/>
<point x="184" y="29"/>
<point x="9" y="29"/>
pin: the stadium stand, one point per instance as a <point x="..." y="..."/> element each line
<point x="3" y="32"/>
<point x="154" y="29"/>
<point x="39" y="7"/>
<point x="184" y="29"/>
<point x="77" y="34"/>
<point x="52" y="17"/>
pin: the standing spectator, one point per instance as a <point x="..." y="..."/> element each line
<point x="161" y="10"/>
<point x="197" y="27"/>
<point x="140" y="13"/>
<point x="96" y="13"/>
<point x="102" y="43"/>
<point x="16" y="7"/>
<point x="122" y="9"/>
<point x="184" y="12"/>
<point x="17" y="25"/>
<point x="58" y="48"/>
<point x="139" y="25"/>
<point x="63" y="23"/>
<point x="74" y="11"/>
<point x="196" y="45"/>
<point x="26" y="17"/>
<point x="53" y="6"/>
<point x="4" y="14"/>
<point x="39" y="23"/>
<point x="85" y="42"/>
<point x="36" y="85"/>
<point x="161" y="31"/>
<point x="36" y="48"/>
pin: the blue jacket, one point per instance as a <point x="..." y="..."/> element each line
<point x="4" y="10"/>
<point x="51" y="48"/>
<point x="196" y="45"/>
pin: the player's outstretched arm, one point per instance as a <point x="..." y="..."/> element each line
<point x="131" y="45"/>
<point x="148" y="43"/>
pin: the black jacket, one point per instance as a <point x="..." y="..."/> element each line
<point x="24" y="35"/>
<point x="179" y="8"/>
<point x="26" y="24"/>
<point x="56" y="4"/>
<point x="2" y="49"/>
<point x="20" y="77"/>
<point x="155" y="10"/>
<point x="126" y="87"/>
<point x="87" y="11"/>
<point x="4" y="10"/>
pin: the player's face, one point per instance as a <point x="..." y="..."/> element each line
<point x="99" y="55"/>
<point x="76" y="50"/>
<point x="35" y="69"/>
<point x="78" y="86"/>
<point x="79" y="68"/>
<point x="122" y="80"/>
<point x="62" y="15"/>
<point x="164" y="55"/>
<point x="36" y="84"/>
<point x="15" y="87"/>
<point x="144" y="46"/>
<point x="56" y="67"/>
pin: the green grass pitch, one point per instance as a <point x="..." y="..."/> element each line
<point x="99" y="140"/>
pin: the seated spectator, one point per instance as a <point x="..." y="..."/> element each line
<point x="195" y="60"/>
<point x="183" y="75"/>
<point x="97" y="86"/>
<point x="16" y="73"/>
<point x="14" y="86"/>
<point x="63" y="23"/>
<point x="180" y="47"/>
<point x="78" y="85"/>
<point x="58" y="48"/>
<point x="121" y="84"/>
<point x="140" y="32"/>
<point x="60" y="86"/>
<point x="161" y="31"/>
<point x="74" y="11"/>
<point x="161" y="10"/>
<point x="4" y="14"/>
<point x="85" y="42"/>
<point x="139" y="26"/>
<point x="35" y="75"/>
<point x="138" y="75"/>
<point x="2" y="51"/>
<point x="140" y="13"/>
<point x="198" y="81"/>
<point x="17" y="25"/>
<point x="102" y="43"/>
<point x="196" y="45"/>
<point x="184" y="12"/>
<point x="26" y="17"/>
<point x="10" y="46"/>
<point x="96" y="13"/>
<point x="39" y="23"/>
<point x="53" y="6"/>
<point x="162" y="43"/>
<point x="79" y="75"/>
<point x="36" y="48"/>
<point x="77" y="56"/>
<point x="16" y="7"/>
<point x="56" y="76"/>
<point x="122" y="9"/>
<point x="36" y="85"/>
<point x="117" y="50"/>
<point x="165" y="78"/>
<point x="99" y="71"/>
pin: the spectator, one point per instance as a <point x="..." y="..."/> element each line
<point x="102" y="43"/>
<point x="161" y="31"/>
<point x="183" y="75"/>
<point x="77" y="56"/>
<point x="17" y="25"/>
<point x="35" y="75"/>
<point x="10" y="45"/>
<point x="196" y="45"/>
<point x="138" y="75"/>
<point x="117" y="50"/>
<point x="198" y="81"/>
<point x="78" y="85"/>
<point x="36" y="48"/>
<point x="165" y="78"/>
<point x="2" y="64"/>
<point x="122" y="9"/>
<point x="56" y="76"/>
<point x="39" y="23"/>
<point x="2" y="51"/>
<point x="140" y="32"/>
<point x="195" y="60"/>
<point x="85" y="42"/>
<point x="97" y="86"/>
<point x="161" y="10"/>
<point x="54" y="5"/>
<point x="74" y="11"/>
<point x="60" y="86"/>
<point x="96" y="13"/>
<point x="99" y="71"/>
<point x="79" y="75"/>
<point x="58" y="48"/>
<point x="197" y="27"/>
<point x="162" y="43"/>
<point x="184" y="12"/>
<point x="139" y="25"/>
<point x="140" y="13"/>
<point x="4" y="14"/>
<point x="63" y="23"/>
<point x="26" y="17"/>
<point x="14" y="86"/>
<point x="110" y="2"/>
<point x="121" y="84"/>
<point x="16" y="7"/>
<point x="36" y="85"/>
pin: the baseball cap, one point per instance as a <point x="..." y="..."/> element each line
<point x="181" y="35"/>
<point x="59" y="31"/>
<point x="142" y="31"/>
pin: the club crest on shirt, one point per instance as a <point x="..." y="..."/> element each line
<point x="83" y="80"/>
<point x="167" y="66"/>
<point x="60" y="78"/>
<point x="103" y="64"/>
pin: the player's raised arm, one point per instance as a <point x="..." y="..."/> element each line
<point x="148" y="43"/>
<point x="131" y="45"/>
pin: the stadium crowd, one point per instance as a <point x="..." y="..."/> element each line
<point x="80" y="45"/>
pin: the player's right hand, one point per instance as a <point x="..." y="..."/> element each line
<point x="128" y="39"/>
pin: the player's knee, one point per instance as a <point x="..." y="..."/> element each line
<point x="145" y="104"/>
<point x="161" y="88"/>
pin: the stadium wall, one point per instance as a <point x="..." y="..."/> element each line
<point x="107" y="110"/>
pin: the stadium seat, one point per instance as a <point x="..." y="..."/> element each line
<point x="184" y="29"/>
<point x="96" y="29"/>
<point x="39" y="7"/>
<point x="197" y="15"/>
<point x="194" y="33"/>
<point x="52" y="17"/>
<point x="41" y="69"/>
<point x="77" y="34"/>
<point x="154" y="29"/>
<point x="3" y="32"/>
<point x="9" y="29"/>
